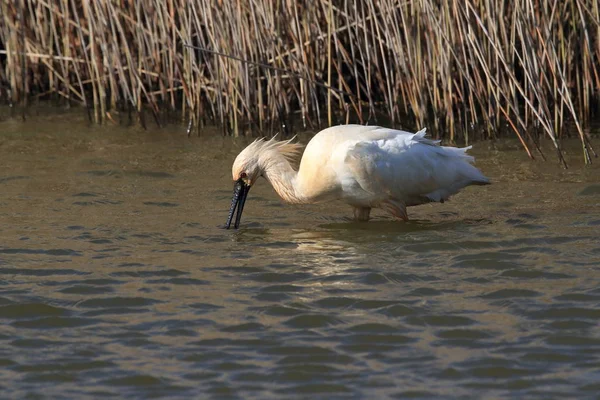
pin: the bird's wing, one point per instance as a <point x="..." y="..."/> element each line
<point x="407" y="168"/>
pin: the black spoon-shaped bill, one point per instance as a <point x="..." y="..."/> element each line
<point x="240" y="193"/>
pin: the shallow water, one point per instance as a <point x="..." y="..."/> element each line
<point x="116" y="278"/>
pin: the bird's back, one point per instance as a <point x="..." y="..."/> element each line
<point x="320" y="164"/>
<point x="366" y="165"/>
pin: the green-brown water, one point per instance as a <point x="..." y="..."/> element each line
<point x="116" y="279"/>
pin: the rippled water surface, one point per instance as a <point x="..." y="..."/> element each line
<point x="116" y="279"/>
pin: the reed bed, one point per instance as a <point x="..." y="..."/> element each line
<point x="464" y="68"/>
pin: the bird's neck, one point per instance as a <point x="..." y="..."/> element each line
<point x="283" y="178"/>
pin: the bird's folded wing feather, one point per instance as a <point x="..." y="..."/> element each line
<point x="404" y="167"/>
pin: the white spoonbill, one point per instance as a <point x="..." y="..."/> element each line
<point x="364" y="166"/>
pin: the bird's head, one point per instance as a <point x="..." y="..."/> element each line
<point x="246" y="169"/>
<point x="251" y="163"/>
<point x="246" y="166"/>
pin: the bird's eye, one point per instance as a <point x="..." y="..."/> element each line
<point x="243" y="175"/>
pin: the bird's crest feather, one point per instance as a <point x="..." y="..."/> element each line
<point x="291" y="151"/>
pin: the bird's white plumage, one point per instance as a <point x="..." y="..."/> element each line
<point x="369" y="167"/>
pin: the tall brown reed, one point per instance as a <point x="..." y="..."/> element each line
<point x="531" y="66"/>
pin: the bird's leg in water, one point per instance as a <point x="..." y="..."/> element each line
<point x="361" y="213"/>
<point x="397" y="209"/>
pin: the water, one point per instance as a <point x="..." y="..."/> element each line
<point x="116" y="279"/>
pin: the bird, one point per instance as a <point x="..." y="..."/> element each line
<point x="365" y="167"/>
